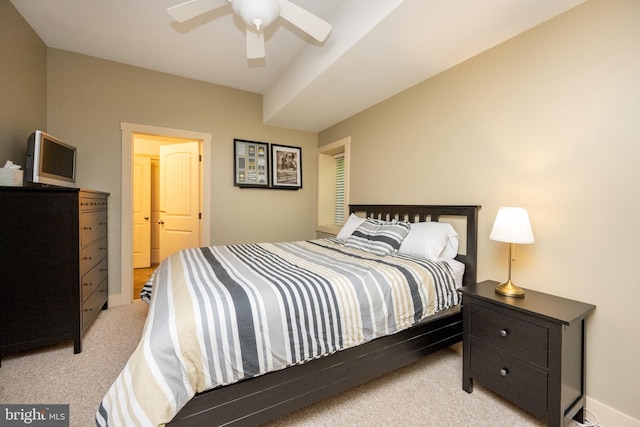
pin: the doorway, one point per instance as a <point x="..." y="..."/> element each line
<point x="158" y="137"/>
<point x="166" y="201"/>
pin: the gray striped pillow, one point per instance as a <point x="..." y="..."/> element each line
<point x="379" y="237"/>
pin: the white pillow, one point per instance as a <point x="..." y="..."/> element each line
<point x="350" y="226"/>
<point x="451" y="248"/>
<point x="431" y="240"/>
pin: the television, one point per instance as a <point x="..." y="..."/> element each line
<point x="50" y="161"/>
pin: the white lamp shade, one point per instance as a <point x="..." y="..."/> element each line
<point x="512" y="226"/>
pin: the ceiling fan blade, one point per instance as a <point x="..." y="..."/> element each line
<point x="192" y="8"/>
<point x="255" y="43"/>
<point x="305" y="20"/>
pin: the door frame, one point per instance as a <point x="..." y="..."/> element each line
<point x="126" y="233"/>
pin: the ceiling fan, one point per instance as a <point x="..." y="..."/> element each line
<point x="257" y="14"/>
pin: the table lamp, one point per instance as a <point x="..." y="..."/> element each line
<point x="511" y="226"/>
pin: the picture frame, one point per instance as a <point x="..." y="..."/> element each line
<point x="250" y="164"/>
<point x="286" y="167"/>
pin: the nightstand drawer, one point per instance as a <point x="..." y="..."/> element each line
<point x="521" y="338"/>
<point x="510" y="374"/>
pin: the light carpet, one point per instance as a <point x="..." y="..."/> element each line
<point x="426" y="393"/>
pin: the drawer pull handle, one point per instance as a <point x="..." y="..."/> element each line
<point x="504" y="372"/>
<point x="87" y="258"/>
<point x="504" y="333"/>
<point x="87" y="228"/>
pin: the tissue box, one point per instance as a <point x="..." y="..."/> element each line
<point x="11" y="177"/>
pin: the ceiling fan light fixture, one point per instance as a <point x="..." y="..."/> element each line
<point x="257" y="22"/>
<point x="257" y="13"/>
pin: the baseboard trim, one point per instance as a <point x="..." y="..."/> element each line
<point x="119" y="299"/>
<point x="608" y="416"/>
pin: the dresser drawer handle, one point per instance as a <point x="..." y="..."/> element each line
<point x="504" y="372"/>
<point x="504" y="332"/>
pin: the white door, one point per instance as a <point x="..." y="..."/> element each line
<point x="141" y="212"/>
<point x="179" y="197"/>
<point x="155" y="211"/>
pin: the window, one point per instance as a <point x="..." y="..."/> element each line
<point x="333" y="186"/>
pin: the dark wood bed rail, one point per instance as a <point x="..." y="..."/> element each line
<point x="422" y="213"/>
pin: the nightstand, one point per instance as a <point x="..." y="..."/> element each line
<point x="529" y="350"/>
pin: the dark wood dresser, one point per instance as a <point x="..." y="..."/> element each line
<point x="529" y="350"/>
<point x="53" y="262"/>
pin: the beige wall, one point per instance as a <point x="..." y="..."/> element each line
<point x="548" y="120"/>
<point x="23" y="90"/>
<point x="88" y="98"/>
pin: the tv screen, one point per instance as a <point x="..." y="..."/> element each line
<point x="50" y="161"/>
<point x="57" y="159"/>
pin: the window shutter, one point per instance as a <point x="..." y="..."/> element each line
<point x="339" y="202"/>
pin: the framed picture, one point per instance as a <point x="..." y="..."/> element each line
<point x="286" y="167"/>
<point x="251" y="164"/>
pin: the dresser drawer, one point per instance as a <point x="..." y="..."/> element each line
<point x="93" y="226"/>
<point x="91" y="255"/>
<point x="516" y="336"/>
<point x="91" y="202"/>
<point x="93" y="279"/>
<point x="93" y="305"/>
<point x="511" y="374"/>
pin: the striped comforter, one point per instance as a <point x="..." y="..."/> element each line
<point x="221" y="314"/>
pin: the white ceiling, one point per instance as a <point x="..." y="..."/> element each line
<point x="376" y="49"/>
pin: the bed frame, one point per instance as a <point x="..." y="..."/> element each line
<point x="261" y="399"/>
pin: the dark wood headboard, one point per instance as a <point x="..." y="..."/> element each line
<point x="421" y="213"/>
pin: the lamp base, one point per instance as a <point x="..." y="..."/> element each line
<point x="509" y="289"/>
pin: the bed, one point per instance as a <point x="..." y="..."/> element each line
<point x="316" y="354"/>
